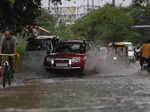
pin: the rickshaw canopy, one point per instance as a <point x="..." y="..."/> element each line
<point x="117" y="44"/>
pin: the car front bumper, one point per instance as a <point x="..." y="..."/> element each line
<point x="62" y="68"/>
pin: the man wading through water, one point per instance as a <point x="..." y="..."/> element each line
<point x="8" y="46"/>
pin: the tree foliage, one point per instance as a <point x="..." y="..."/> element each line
<point x="105" y="24"/>
<point x="64" y="32"/>
<point x="141" y="16"/>
<point x="17" y="13"/>
<point x="14" y="14"/>
<point x="50" y="22"/>
<point x="46" y="21"/>
<point x="140" y="2"/>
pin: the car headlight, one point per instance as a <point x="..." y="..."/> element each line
<point x="76" y="59"/>
<point x="114" y="58"/>
<point x="50" y="60"/>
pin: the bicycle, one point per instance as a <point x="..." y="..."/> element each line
<point x="7" y="69"/>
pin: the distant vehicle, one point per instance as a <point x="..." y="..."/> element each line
<point x="41" y="42"/>
<point x="124" y="49"/>
<point x="130" y="51"/>
<point x="68" y="55"/>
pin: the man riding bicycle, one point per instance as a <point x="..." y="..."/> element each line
<point x="145" y="54"/>
<point x="8" y="46"/>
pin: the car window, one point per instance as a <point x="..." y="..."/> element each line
<point x="71" y="47"/>
<point x="75" y="46"/>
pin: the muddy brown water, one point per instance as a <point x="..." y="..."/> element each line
<point x="113" y="90"/>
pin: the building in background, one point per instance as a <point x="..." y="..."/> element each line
<point x="69" y="11"/>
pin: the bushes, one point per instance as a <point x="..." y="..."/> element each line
<point x="21" y="48"/>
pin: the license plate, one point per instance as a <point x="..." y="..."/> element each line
<point x="61" y="65"/>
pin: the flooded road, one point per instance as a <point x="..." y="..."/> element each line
<point x="123" y="90"/>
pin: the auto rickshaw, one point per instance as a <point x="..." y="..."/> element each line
<point x="122" y="50"/>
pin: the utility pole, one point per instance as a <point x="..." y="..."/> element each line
<point x="114" y="2"/>
<point x="92" y="4"/>
<point x="88" y="5"/>
<point x="49" y="5"/>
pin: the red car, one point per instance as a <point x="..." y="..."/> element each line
<point x="67" y="55"/>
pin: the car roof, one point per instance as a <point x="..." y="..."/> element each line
<point x="120" y="43"/>
<point x="73" y="41"/>
<point x="127" y="43"/>
<point x="46" y="37"/>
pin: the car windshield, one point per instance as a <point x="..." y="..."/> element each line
<point x="71" y="48"/>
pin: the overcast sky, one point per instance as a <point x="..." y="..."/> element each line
<point x="65" y="3"/>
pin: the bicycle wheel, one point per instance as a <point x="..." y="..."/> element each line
<point x="9" y="77"/>
<point x="5" y="76"/>
<point x="4" y="81"/>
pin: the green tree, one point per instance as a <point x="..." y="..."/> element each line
<point x="12" y="2"/>
<point x="50" y="22"/>
<point x="106" y="24"/>
<point x="64" y="31"/>
<point x="46" y="21"/>
<point x="14" y="14"/>
<point x="141" y="16"/>
<point x="140" y="2"/>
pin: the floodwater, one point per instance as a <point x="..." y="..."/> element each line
<point x="105" y="89"/>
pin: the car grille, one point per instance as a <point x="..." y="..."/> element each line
<point x="62" y="60"/>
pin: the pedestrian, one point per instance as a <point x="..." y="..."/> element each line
<point x="145" y="53"/>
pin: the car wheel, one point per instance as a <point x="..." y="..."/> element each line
<point x="81" y="72"/>
<point x="81" y="69"/>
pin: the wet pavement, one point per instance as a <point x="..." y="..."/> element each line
<point x="124" y="89"/>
